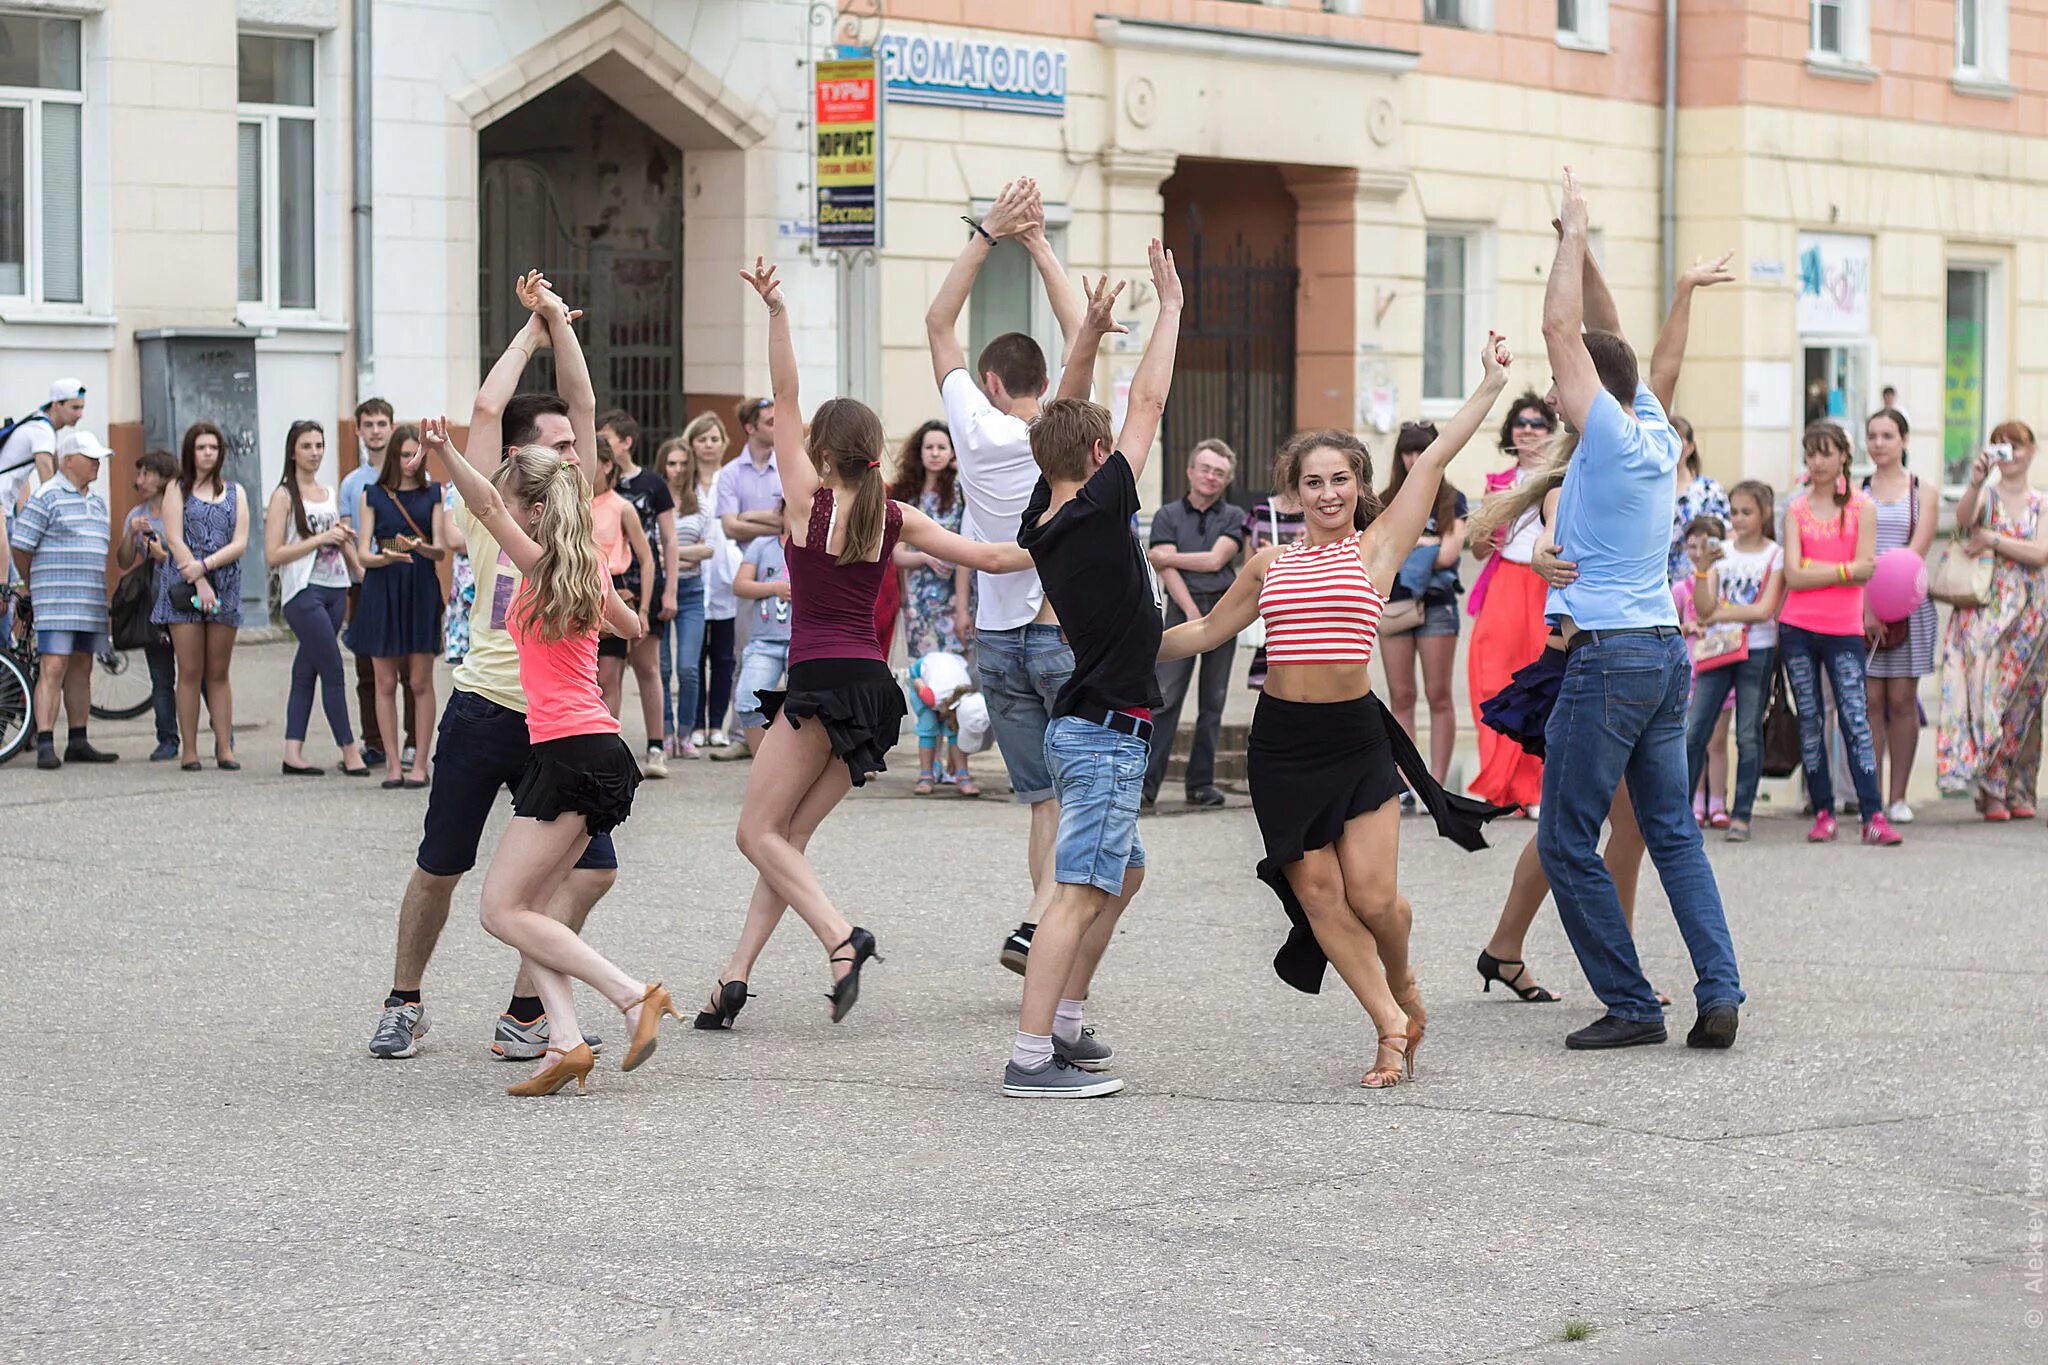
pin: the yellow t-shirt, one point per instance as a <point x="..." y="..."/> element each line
<point x="491" y="669"/>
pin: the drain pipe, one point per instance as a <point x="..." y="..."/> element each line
<point x="1669" y="226"/>
<point x="359" y="206"/>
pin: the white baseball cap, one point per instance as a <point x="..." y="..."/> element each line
<point x="79" y="441"/>
<point x="64" y="390"/>
<point x="972" y="718"/>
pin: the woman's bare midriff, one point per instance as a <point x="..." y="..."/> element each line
<point x="1318" y="684"/>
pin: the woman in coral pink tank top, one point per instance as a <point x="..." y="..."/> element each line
<point x="833" y="727"/>
<point x="1326" y="758"/>
<point x="1830" y="552"/>
<point x="580" y="778"/>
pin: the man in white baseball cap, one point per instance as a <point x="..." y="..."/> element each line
<point x="60" y="541"/>
<point x="28" y="452"/>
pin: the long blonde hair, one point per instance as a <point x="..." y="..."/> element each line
<point x="1503" y="510"/>
<point x="564" y="594"/>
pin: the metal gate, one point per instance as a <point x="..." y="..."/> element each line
<point x="631" y="299"/>
<point x="1234" y="373"/>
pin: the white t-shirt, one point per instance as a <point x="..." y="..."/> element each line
<point x="721" y="603"/>
<point x="998" y="473"/>
<point x="35" y="436"/>
<point x="1742" y="581"/>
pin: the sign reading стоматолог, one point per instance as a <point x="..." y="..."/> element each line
<point x="970" y="73"/>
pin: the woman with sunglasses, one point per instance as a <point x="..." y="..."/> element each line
<point x="1508" y="629"/>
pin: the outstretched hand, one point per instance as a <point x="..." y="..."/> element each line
<point x="1165" y="279"/>
<point x="1017" y="207"/>
<point x="1101" y="314"/>
<point x="1705" y="272"/>
<point x="1495" y="358"/>
<point x="1571" y="210"/>
<point x="762" y="278"/>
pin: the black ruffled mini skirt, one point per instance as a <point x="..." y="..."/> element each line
<point x="1312" y="767"/>
<point x="858" y="701"/>
<point x="592" y="775"/>
<point x="1522" y="709"/>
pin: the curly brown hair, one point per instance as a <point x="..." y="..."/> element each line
<point x="1287" y="467"/>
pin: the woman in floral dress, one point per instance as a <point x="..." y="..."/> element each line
<point x="462" y="595"/>
<point x="1994" y="667"/>
<point x="936" y="595"/>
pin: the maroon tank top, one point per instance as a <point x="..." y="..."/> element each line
<point x="832" y="604"/>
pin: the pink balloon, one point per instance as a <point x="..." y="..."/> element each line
<point x="1898" y="586"/>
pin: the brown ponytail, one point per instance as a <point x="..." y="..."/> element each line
<point x="846" y="437"/>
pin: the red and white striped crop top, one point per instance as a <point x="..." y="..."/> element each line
<point x="1320" y="605"/>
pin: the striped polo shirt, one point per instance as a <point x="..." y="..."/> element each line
<point x="67" y="533"/>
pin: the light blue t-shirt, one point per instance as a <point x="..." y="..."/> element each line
<point x="1614" y="518"/>
<point x="352" y="486"/>
<point x="771" y="614"/>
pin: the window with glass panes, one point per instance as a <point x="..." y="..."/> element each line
<point x="274" y="171"/>
<point x="42" y="112"/>
<point x="1448" y="263"/>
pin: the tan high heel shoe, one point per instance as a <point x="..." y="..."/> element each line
<point x="646" y="1032"/>
<point x="1416" y="1025"/>
<point x="1382" y="1075"/>
<point x="574" y="1066"/>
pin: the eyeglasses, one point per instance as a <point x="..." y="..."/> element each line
<point x="1531" y="424"/>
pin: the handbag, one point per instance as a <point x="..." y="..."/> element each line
<point x="128" y="612"/>
<point x="1400" y="617"/>
<point x="1781" y="730"/>
<point x="1719" y="646"/>
<point x="185" y="596"/>
<point x="383" y="544"/>
<point x="1960" y="578"/>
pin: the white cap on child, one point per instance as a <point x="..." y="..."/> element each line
<point x="972" y="717"/>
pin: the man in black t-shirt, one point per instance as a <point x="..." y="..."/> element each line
<point x="1077" y="528"/>
<point x="648" y="494"/>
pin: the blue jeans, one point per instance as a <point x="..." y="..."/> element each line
<point x="1807" y="655"/>
<point x="682" y="640"/>
<point x="1022" y="672"/>
<point x="762" y="665"/>
<point x="1099" y="774"/>
<point x="1621" y="713"/>
<point x="1751" y="682"/>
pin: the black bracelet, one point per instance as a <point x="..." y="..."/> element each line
<point x="979" y="230"/>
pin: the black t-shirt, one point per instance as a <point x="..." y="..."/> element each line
<point x="1094" y="572"/>
<point x="647" y="494"/>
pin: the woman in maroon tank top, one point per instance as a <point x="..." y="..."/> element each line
<point x="843" y="707"/>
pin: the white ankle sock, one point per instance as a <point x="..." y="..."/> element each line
<point x="1031" y="1050"/>
<point x="1066" y="1021"/>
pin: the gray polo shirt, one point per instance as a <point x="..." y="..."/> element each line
<point x="1192" y="531"/>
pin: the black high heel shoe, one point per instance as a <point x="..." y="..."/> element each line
<point x="846" y="989"/>
<point x="732" y="997"/>
<point x="1490" y="972"/>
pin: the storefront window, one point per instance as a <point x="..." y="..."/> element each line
<point x="1965" y="369"/>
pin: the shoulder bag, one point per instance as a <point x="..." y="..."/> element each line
<point x="1960" y="578"/>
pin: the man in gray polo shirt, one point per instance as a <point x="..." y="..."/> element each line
<point x="1194" y="547"/>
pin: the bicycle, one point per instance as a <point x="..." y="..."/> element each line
<point x="120" y="682"/>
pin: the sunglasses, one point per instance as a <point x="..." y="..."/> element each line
<point x="1531" y="424"/>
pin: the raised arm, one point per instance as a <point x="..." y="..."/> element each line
<point x="487" y="415"/>
<point x="1397" y="528"/>
<point x="792" y="458"/>
<point x="572" y="374"/>
<point x="935" y="540"/>
<point x="1571" y="365"/>
<point x="481" y="496"/>
<point x="1149" y="387"/>
<point x="1226" y="620"/>
<point x="1068" y="304"/>
<point x="1669" y="353"/>
<point x="942" y="319"/>
<point x="1098" y="320"/>
<point x="1598" y="298"/>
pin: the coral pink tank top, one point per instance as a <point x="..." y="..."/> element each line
<point x="1838" y="608"/>
<point x="559" y="678"/>
<point x="1320" y="605"/>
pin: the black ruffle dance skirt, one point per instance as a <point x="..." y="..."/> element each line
<point x="592" y="775"/>
<point x="1315" y="765"/>
<point x="1522" y="709"/>
<point x="858" y="701"/>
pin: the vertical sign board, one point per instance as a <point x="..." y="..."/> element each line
<point x="848" y="156"/>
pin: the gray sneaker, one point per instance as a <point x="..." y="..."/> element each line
<point x="400" y="1030"/>
<point x="517" y="1042"/>
<point x="1056" y="1080"/>
<point x="1087" y="1052"/>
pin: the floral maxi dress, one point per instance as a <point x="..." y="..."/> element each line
<point x="462" y="593"/>
<point x="928" y="597"/>
<point x="1994" y="674"/>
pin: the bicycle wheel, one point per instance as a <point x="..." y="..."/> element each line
<point x="16" y="702"/>
<point x="120" y="684"/>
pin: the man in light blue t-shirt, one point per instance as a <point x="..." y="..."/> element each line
<point x="1621" y="707"/>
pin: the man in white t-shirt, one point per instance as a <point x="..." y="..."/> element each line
<point x="1019" y="651"/>
<point x="28" y="457"/>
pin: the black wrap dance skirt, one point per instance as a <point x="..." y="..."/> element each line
<point x="1522" y="709"/>
<point x="858" y="701"/>
<point x="592" y="775"/>
<point x="1315" y="765"/>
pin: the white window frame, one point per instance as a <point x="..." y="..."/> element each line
<point x="1988" y="74"/>
<point x="1852" y="58"/>
<point x="1590" y="35"/>
<point x="1045" y="325"/>
<point x="268" y="117"/>
<point x="32" y="100"/>
<point x="1996" y="337"/>
<point x="1479" y="289"/>
<point x="1475" y="15"/>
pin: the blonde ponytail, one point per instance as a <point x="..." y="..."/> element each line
<point x="1502" y="510"/>
<point x="564" y="594"/>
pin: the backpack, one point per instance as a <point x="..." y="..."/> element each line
<point x="10" y="425"/>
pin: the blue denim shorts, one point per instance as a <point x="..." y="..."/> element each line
<point x="762" y="664"/>
<point x="1022" y="672"/>
<point x="70" y="641"/>
<point x="1098" y="774"/>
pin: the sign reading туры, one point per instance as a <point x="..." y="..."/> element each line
<point x="968" y="73"/>
<point x="848" y="153"/>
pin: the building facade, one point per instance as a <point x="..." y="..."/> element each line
<point x="1355" y="191"/>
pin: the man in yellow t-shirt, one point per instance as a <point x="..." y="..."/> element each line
<point x="482" y="744"/>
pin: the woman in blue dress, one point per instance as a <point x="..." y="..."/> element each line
<point x="206" y="528"/>
<point x="403" y="530"/>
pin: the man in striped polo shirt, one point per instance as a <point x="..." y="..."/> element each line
<point x="60" y="542"/>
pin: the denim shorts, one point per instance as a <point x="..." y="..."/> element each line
<point x="762" y="665"/>
<point x="482" y="749"/>
<point x="1438" y="618"/>
<point x="1098" y="774"/>
<point x="70" y="641"/>
<point x="1022" y="672"/>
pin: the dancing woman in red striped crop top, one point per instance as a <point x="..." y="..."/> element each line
<point x="1326" y="757"/>
<point x="580" y="777"/>
<point x="842" y="530"/>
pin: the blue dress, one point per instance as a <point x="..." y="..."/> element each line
<point x="399" y="609"/>
<point x="209" y="526"/>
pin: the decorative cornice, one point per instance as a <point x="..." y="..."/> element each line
<point x="1219" y="40"/>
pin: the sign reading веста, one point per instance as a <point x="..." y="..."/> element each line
<point x="848" y="154"/>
